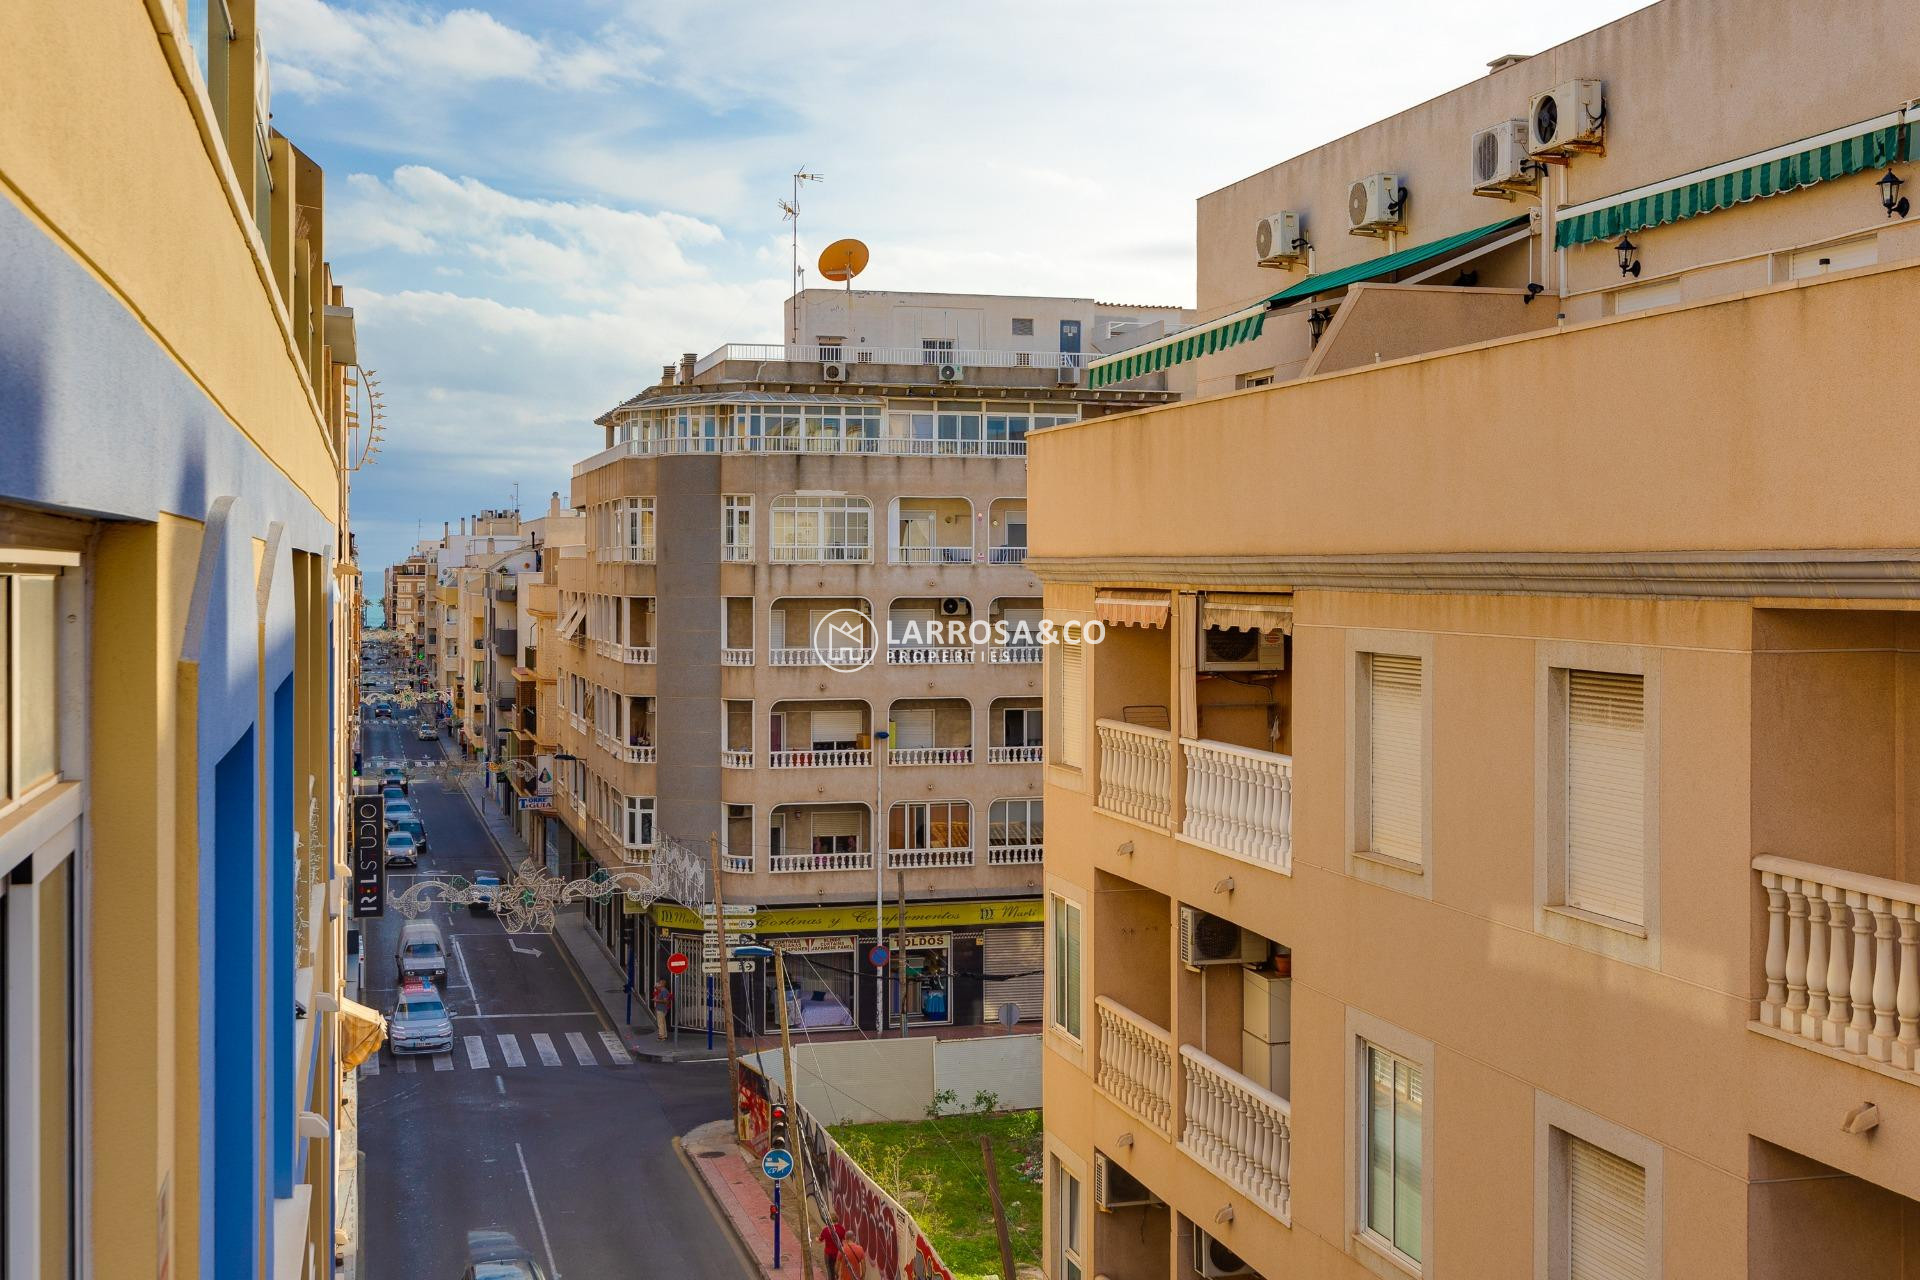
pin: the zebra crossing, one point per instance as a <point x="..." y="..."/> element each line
<point x="477" y="1053"/>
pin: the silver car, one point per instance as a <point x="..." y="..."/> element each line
<point x="420" y="1022"/>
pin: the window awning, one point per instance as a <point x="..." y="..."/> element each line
<point x="1247" y="611"/>
<point x="1243" y="325"/>
<point x="1869" y="144"/>
<point x="571" y="623"/>
<point x="362" y="1032"/>
<point x="1123" y="608"/>
<point x="524" y="676"/>
<point x="1374" y="268"/>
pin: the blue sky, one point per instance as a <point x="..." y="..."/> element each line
<point x="534" y="206"/>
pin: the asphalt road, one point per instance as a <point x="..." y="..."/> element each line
<point x="533" y="1124"/>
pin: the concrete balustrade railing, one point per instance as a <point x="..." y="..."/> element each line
<point x="930" y="755"/>
<point x="1013" y="755"/>
<point x="736" y="657"/>
<point x="789" y="863"/>
<point x="1843" y="960"/>
<point x="1136" y="771"/>
<point x="914" y="859"/>
<point x="1239" y="801"/>
<point x="1135" y="1066"/>
<point x="1012" y="855"/>
<point x="634" y="753"/>
<point x="1240" y="1131"/>
<point x="848" y="758"/>
<point x="736" y="759"/>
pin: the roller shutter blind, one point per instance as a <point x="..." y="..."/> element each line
<point x="1606" y="782"/>
<point x="1606" y="1215"/>
<point x="835" y="726"/>
<point x="912" y="728"/>
<point x="1015" y="950"/>
<point x="836" y="824"/>
<point x="1073" y="705"/>
<point x="1394" y="790"/>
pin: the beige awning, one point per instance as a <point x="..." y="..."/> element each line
<point x="362" y="1032"/>
<point x="1126" y="608"/>
<point x="571" y="623"/>
<point x="1247" y="611"/>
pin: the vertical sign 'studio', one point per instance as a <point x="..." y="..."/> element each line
<point x="369" y="856"/>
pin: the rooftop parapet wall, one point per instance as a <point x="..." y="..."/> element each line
<point x="1761" y="422"/>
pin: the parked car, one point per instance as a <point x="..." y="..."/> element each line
<point x="401" y="850"/>
<point x="486" y="888"/>
<point x="422" y="952"/>
<point x="415" y="828"/>
<point x="496" y="1255"/>
<point x="394" y="793"/>
<point x="420" y="1022"/>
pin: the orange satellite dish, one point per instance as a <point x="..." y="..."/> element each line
<point x="843" y="260"/>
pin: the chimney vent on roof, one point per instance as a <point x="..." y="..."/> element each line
<point x="666" y="375"/>
<point x="687" y="360"/>
<point x="1506" y="60"/>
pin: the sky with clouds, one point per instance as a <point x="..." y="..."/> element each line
<point x="535" y="204"/>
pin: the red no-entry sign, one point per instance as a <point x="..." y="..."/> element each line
<point x="677" y="962"/>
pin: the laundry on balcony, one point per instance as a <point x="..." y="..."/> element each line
<point x="1248" y="611"/>
<point x="1128" y="608"/>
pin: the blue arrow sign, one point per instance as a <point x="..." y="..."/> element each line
<point x="777" y="1164"/>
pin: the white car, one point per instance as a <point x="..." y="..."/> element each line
<point x="402" y="850"/>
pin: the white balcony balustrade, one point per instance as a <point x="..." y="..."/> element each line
<point x="1007" y="555"/>
<point x="822" y="553"/>
<point x="926" y="656"/>
<point x="845" y="659"/>
<point x="830" y="758"/>
<point x="1239" y="1130"/>
<point x="634" y="753"/>
<point x="932" y="555"/>
<point x="886" y="446"/>
<point x="736" y="759"/>
<point x="1239" y="802"/>
<point x="736" y="862"/>
<point x="1135" y="1066"/>
<point x="736" y="657"/>
<point x="1136" y="771"/>
<point x="918" y="859"/>
<point x="1014" y="855"/>
<point x="796" y="863"/>
<point x="1843" y="960"/>
<point x="930" y="755"/>
<point x="1015" y="755"/>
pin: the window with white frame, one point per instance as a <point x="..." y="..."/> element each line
<point x="1065" y="964"/>
<point x="736" y="527"/>
<point x="1069" y="681"/>
<point x="930" y="824"/>
<point x="1392" y="1133"/>
<point x="1393" y="774"/>
<point x="634" y="528"/>
<point x="1017" y="823"/>
<point x="1070" y="1249"/>
<point x="1022" y="726"/>
<point x="818" y="528"/>
<point x="1605" y="764"/>
<point x="40" y="1025"/>
<point x="936" y="350"/>
<point x="637" y="822"/>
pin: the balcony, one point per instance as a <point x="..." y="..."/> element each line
<point x="1240" y="1131"/>
<point x="821" y="553"/>
<point x="736" y="657"/>
<point x="1135" y="1064"/>
<point x="1015" y="755"/>
<point x="859" y="353"/>
<point x="930" y="755"/>
<point x="624" y="552"/>
<point x="1240" y="802"/>
<point x="736" y="759"/>
<point x="922" y="859"/>
<point x="642" y="655"/>
<point x="1014" y="653"/>
<point x="791" y="863"/>
<point x="633" y="753"/>
<point x="811" y="657"/>
<point x="1136" y="772"/>
<point x="925" y="656"/>
<point x="883" y="446"/>
<point x="739" y="863"/>
<point x="931" y="555"/>
<point x="1842" y="961"/>
<point x="1006" y="555"/>
<point x="824" y="758"/>
<point x="1015" y="855"/>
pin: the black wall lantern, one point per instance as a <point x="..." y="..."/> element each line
<point x="1629" y="261"/>
<point x="1317" y="321"/>
<point x="1890" y="198"/>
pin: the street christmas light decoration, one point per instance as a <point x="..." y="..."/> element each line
<point x="527" y="903"/>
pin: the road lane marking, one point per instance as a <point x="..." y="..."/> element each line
<point x="476" y="1053"/>
<point x="539" y="1220"/>
<point x="616" y="1050"/>
<point x="543" y="1045"/>
<point x="443" y="1061"/>
<point x="501" y="1085"/>
<point x="405" y="1066"/>
<point x="509" y="1017"/>
<point x="472" y="990"/>
<point x="510" y="1051"/>
<point x="578" y="1043"/>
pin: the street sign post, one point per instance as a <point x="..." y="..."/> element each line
<point x="369" y="856"/>
<point x="677" y="963"/>
<point x="777" y="1164"/>
<point x="711" y="967"/>
<point x="879" y="957"/>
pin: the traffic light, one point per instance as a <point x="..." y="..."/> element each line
<point x="778" y="1141"/>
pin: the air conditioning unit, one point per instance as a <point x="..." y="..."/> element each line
<point x="1497" y="158"/>
<point x="1207" y="939"/>
<point x="1067" y="375"/>
<point x="834" y="370"/>
<point x="1214" y="1260"/>
<point x="1224" y="649"/>
<point x="953" y="605"/>
<point x="1276" y="239"/>
<point x="1115" y="1188"/>
<point x="1376" y="204"/>
<point x="950" y="372"/>
<point x="1567" y="118"/>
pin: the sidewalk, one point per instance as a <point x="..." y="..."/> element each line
<point x="743" y="1197"/>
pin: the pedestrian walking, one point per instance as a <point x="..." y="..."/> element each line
<point x="661" y="999"/>
<point x="832" y="1236"/>
<point x="853" y="1261"/>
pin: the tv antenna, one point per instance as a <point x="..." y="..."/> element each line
<point x="790" y="212"/>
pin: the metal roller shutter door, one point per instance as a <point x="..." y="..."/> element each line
<point x="1606" y="782"/>
<point x="1020" y="951"/>
<point x="1606" y="1215"/>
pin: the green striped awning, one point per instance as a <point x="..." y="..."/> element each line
<point x="1189" y="344"/>
<point x="1830" y="157"/>
<point x="1374" y="268"/>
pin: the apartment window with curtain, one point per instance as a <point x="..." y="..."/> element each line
<point x="40" y="1020"/>
<point x="1392" y="1131"/>
<point x="1392" y="781"/>
<point x="736" y="527"/>
<point x="935" y="824"/>
<point x="1066" y="966"/>
<point x="1605" y="766"/>
<point x="1070" y="695"/>
<point x="1603" y="1202"/>
<point x="638" y="817"/>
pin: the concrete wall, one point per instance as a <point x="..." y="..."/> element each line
<point x="864" y="1081"/>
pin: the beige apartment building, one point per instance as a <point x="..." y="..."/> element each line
<point x="405" y="602"/>
<point x="747" y="650"/>
<point x="1481" y="844"/>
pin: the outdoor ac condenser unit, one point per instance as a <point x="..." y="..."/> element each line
<point x="1376" y="204"/>
<point x="1214" y="1260"/>
<point x="1115" y="1188"/>
<point x="834" y="370"/>
<point x="1277" y="240"/>
<point x="1497" y="159"/>
<point x="1566" y="118"/>
<point x="1207" y="939"/>
<point x="950" y="372"/>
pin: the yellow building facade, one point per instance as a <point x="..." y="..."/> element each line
<point x="178" y="603"/>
